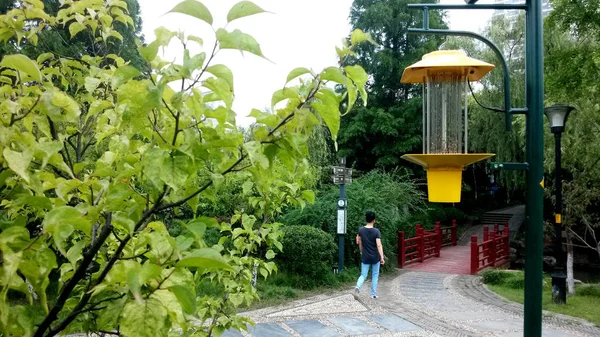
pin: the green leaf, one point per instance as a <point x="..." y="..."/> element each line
<point x="328" y="109"/>
<point x="61" y="221"/>
<point x="150" y="51"/>
<point x="243" y="9"/>
<point x="223" y="72"/>
<point x="360" y="77"/>
<point x="122" y="75"/>
<point x="221" y="88"/>
<point x="176" y="169"/>
<point x="359" y="36"/>
<point x="14" y="239"/>
<point x="195" y="9"/>
<point x="23" y="64"/>
<point x="146" y="319"/>
<point x="270" y="254"/>
<point x="18" y="162"/>
<point x="91" y="84"/>
<point x="309" y="196"/>
<point x="257" y="157"/>
<point x="186" y="298"/>
<point x="75" y="27"/>
<point x="295" y="73"/>
<point x="352" y="95"/>
<point x="204" y="258"/>
<point x="152" y="165"/>
<point x="63" y="188"/>
<point x="282" y="94"/>
<point x="334" y="74"/>
<point x="238" y="40"/>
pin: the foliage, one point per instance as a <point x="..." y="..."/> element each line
<point x="572" y="65"/>
<point x="378" y="135"/>
<point x="591" y="290"/>
<point x="494" y="276"/>
<point x="94" y="153"/>
<point x="393" y="196"/>
<point x="487" y="131"/>
<point x="57" y="39"/>
<point x="583" y="306"/>
<point x="308" y="251"/>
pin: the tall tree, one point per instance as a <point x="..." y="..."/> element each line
<point x="391" y="126"/>
<point x="58" y="39"/>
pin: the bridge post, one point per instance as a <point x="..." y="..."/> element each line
<point x="420" y="234"/>
<point x="438" y="241"/>
<point x="486" y="232"/>
<point x="453" y="232"/>
<point x="507" y="240"/>
<point x="401" y="250"/>
<point x="474" y="255"/>
<point x="493" y="248"/>
<point x="496" y="229"/>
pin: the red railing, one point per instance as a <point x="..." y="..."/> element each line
<point x="493" y="251"/>
<point x="426" y="244"/>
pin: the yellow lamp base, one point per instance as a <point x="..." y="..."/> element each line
<point x="444" y="173"/>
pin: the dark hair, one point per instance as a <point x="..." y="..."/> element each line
<point x="370" y="216"/>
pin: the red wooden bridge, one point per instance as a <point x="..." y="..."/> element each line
<point x="436" y="250"/>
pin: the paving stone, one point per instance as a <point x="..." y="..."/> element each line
<point x="545" y="333"/>
<point x="354" y="326"/>
<point x="394" y="323"/>
<point x="311" y="328"/>
<point x="472" y="315"/>
<point x="269" y="330"/>
<point x="503" y="325"/>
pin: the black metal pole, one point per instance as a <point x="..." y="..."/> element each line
<point x="559" y="278"/>
<point x="341" y="236"/>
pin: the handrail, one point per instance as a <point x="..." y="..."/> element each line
<point x="493" y="251"/>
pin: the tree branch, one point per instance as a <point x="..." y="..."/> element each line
<point x="14" y="119"/>
<point x="83" y="266"/>
<point x="79" y="274"/>
<point x="135" y="256"/>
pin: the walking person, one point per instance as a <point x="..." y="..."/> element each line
<point x="371" y="250"/>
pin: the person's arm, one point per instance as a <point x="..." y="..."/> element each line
<point x="380" y="249"/>
<point x="359" y="242"/>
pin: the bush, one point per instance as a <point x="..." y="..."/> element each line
<point x="513" y="280"/>
<point x="307" y="252"/>
<point x="394" y="196"/>
<point x="592" y="290"/>
<point x="494" y="277"/>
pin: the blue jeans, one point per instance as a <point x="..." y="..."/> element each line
<point x="364" y="271"/>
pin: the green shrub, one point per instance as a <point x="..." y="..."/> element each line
<point x="307" y="252"/>
<point x="592" y="290"/>
<point x="513" y="280"/>
<point x="494" y="277"/>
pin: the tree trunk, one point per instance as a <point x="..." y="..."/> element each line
<point x="570" y="279"/>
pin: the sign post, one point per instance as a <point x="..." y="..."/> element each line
<point x="341" y="176"/>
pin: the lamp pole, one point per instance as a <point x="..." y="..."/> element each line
<point x="557" y="116"/>
<point x="559" y="278"/>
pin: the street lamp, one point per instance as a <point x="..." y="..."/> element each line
<point x="445" y="75"/>
<point x="557" y="116"/>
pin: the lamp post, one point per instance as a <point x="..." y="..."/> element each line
<point x="557" y="116"/>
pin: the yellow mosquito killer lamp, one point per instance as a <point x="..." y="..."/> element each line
<point x="444" y="75"/>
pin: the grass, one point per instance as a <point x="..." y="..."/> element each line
<point x="510" y="286"/>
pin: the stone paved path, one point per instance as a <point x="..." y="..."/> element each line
<point x="412" y="304"/>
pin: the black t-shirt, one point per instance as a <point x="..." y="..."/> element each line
<point x="368" y="236"/>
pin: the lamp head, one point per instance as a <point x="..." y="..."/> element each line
<point x="471" y="2"/>
<point x="557" y="116"/>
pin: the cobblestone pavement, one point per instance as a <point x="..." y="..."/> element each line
<point x="412" y="304"/>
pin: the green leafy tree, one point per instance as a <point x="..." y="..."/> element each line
<point x="571" y="67"/>
<point x="376" y="136"/>
<point x="487" y="131"/>
<point x="58" y="39"/>
<point x="94" y="153"/>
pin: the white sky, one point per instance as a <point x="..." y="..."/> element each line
<point x="298" y="33"/>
